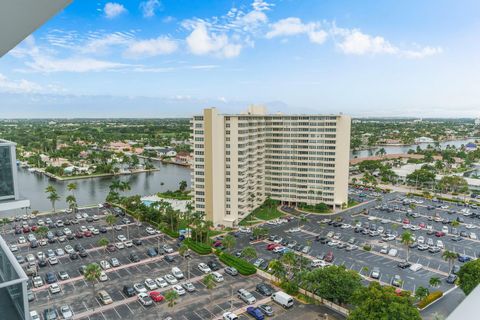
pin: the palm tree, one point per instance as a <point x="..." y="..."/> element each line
<point x="407" y="240"/>
<point x="111" y="221"/>
<point x="183" y="250"/>
<point x="450" y="257"/>
<point x="288" y="259"/>
<point x="434" y="281"/>
<point x="229" y="242"/>
<point x="249" y="253"/>
<point x="182" y="185"/>
<point x="53" y="197"/>
<point x="421" y="293"/>
<point x="72" y="202"/>
<point x="171" y="297"/>
<point x="209" y="283"/>
<point x="277" y="269"/>
<point x="92" y="273"/>
<point x="72" y="187"/>
<point x="103" y="242"/>
<point x="4" y="222"/>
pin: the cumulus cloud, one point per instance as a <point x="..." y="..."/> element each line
<point x="294" y="26"/>
<point x="151" y="47"/>
<point x="149" y="7"/>
<point x="113" y="9"/>
<point x="102" y="43"/>
<point x="201" y="41"/>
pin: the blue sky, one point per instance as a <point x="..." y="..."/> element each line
<point x="158" y="58"/>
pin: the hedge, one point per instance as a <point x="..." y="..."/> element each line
<point x="244" y="267"/>
<point x="430" y="298"/>
<point x="198" y="247"/>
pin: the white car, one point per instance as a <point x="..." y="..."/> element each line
<point x="69" y="249"/>
<point x="161" y="283"/>
<point x="345" y="226"/>
<point x="54" y="288"/>
<point x="84" y="215"/>
<point x="372" y="218"/>
<point x="470" y="226"/>
<point x="22" y="240"/>
<point x="179" y="289"/>
<point x="150" y="230"/>
<point x="145" y="299"/>
<point x="128" y="243"/>
<point x="230" y="316"/>
<point x="67" y="231"/>
<point x="245" y="229"/>
<point x="13" y="248"/>
<point x="53" y="261"/>
<point x="121" y="237"/>
<point x="83" y="228"/>
<point x="204" y="268"/>
<point x="415" y="267"/>
<point x="34" y="315"/>
<point x="66" y="312"/>
<point x="59" y="252"/>
<point x="278" y="249"/>
<point x="170" y="279"/>
<point x="333" y="243"/>
<point x="103" y="276"/>
<point x="440" y="244"/>
<point x="421" y="240"/>
<point x="40" y="255"/>
<point x="473" y="236"/>
<point x="150" y="284"/>
<point x="105" y="265"/>
<point x="140" y="288"/>
<point x="317" y="263"/>
<point x="167" y="248"/>
<point x="119" y="245"/>
<point x="37" y="281"/>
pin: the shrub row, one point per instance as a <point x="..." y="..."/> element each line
<point x="198" y="247"/>
<point x="430" y="298"/>
<point x="244" y="267"/>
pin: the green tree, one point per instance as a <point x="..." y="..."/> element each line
<point x="209" y="283"/>
<point x="407" y="240"/>
<point x="182" y="186"/>
<point x="421" y="293"/>
<point x="171" y="297"/>
<point x="72" y="187"/>
<point x="434" y="281"/>
<point x="111" y="220"/>
<point x="249" y="253"/>
<point x="450" y="257"/>
<point x="277" y="269"/>
<point x="382" y="302"/>
<point x="288" y="259"/>
<point x="41" y="231"/>
<point x="92" y="274"/>
<point x="229" y="242"/>
<point x="103" y="242"/>
<point x="72" y="202"/>
<point x="336" y="283"/>
<point x="4" y="222"/>
<point x="53" y="196"/>
<point x="469" y="276"/>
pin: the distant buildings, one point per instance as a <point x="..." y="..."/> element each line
<point x="162" y="151"/>
<point x="471" y="146"/>
<point x="241" y="159"/>
<point x="477" y="121"/>
<point x="424" y="140"/>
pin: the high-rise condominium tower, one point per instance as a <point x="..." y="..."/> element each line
<point x="241" y="159"/>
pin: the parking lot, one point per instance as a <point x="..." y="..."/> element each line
<point x="77" y="293"/>
<point x="392" y="215"/>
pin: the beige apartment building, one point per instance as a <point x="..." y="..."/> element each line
<point x="241" y="159"/>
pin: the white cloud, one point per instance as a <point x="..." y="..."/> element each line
<point x="151" y="47"/>
<point x="102" y="43"/>
<point x="358" y="43"/>
<point x="18" y="86"/>
<point x="149" y="7"/>
<point x="294" y="26"/>
<point x="355" y="42"/>
<point x="201" y="41"/>
<point x="113" y="9"/>
<point x="261" y="5"/>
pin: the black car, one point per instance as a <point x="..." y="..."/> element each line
<point x="83" y="253"/>
<point x="337" y="224"/>
<point x="323" y="240"/>
<point x="89" y="219"/>
<point x="451" y="278"/>
<point x="358" y="230"/>
<point x="50" y="314"/>
<point x="78" y="247"/>
<point x="460" y="219"/>
<point x="42" y="263"/>
<point x="33" y="244"/>
<point x="263" y="265"/>
<point x="30" y="296"/>
<point x="74" y="256"/>
<point x="284" y="242"/>
<point x="129" y="291"/>
<point x="67" y="222"/>
<point x="133" y="257"/>
<point x="59" y="233"/>
<point x="264" y="289"/>
<point x="464" y="234"/>
<point x="169" y="258"/>
<point x="137" y="242"/>
<point x="404" y="265"/>
<point x="50" y="277"/>
<point x="70" y="236"/>
<point x="213" y="265"/>
<point x="102" y="230"/>
<point x="151" y="252"/>
<point x="51" y="240"/>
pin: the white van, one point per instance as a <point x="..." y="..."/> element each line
<point x="282" y="299"/>
<point x="393" y="252"/>
<point x="177" y="273"/>
<point x="217" y="276"/>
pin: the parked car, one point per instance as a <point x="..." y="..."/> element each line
<point x="246" y="296"/>
<point x="264" y="289"/>
<point x="255" y="313"/>
<point x="231" y="271"/>
<point x="104" y="297"/>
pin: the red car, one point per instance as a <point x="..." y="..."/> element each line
<point x="156" y="296"/>
<point x="34" y="228"/>
<point x="439" y="234"/>
<point x="217" y="243"/>
<point x="26" y="229"/>
<point x="79" y="234"/>
<point x="406" y="221"/>
<point x="329" y="257"/>
<point x="422" y="225"/>
<point x="87" y="233"/>
<point x="272" y="246"/>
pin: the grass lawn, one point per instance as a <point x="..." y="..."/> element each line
<point x="267" y="213"/>
<point x="352" y="203"/>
